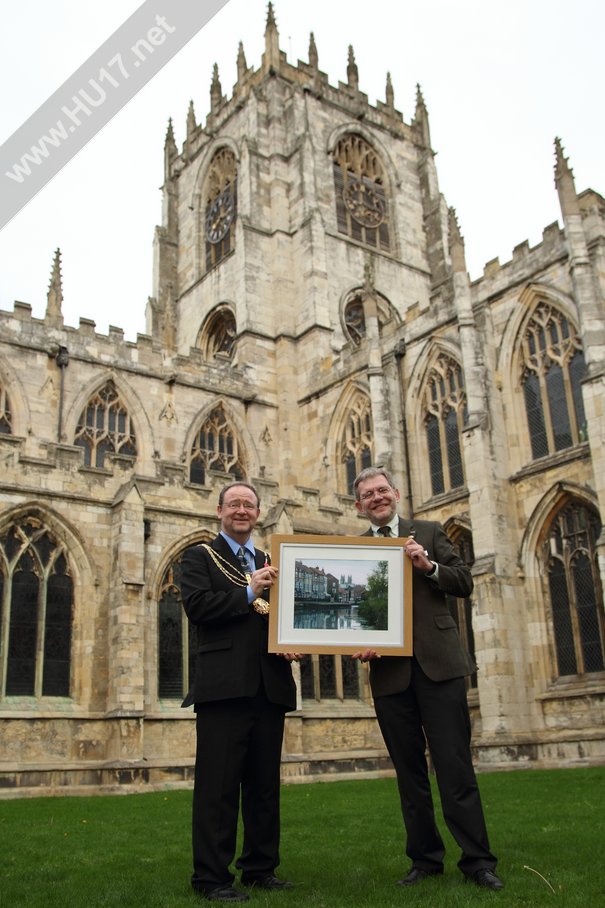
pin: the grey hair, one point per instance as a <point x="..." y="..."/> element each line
<point x="370" y="473"/>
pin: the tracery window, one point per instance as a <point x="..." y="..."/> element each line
<point x="552" y="368"/>
<point x="356" y="444"/>
<point x="176" y="638"/>
<point x="6" y="422"/>
<point x="105" y="427"/>
<point x="36" y="601"/>
<point x="576" y="597"/>
<point x="325" y="677"/>
<point x="462" y="609"/>
<point x="216" y="448"/>
<point x="362" y="211"/>
<point x="444" y="416"/>
<point x="354" y="314"/>
<point x="218" y="336"/>
<point x="220" y="207"/>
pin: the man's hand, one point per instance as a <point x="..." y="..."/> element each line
<point x="263" y="579"/>
<point x="292" y="657"/>
<point x="418" y="555"/>
<point x="365" y="655"/>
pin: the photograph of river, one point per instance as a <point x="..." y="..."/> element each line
<point x="334" y="593"/>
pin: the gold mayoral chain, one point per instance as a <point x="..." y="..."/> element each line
<point x="233" y="574"/>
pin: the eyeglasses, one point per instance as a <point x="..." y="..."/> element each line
<point x="383" y="490"/>
<point x="238" y="503"/>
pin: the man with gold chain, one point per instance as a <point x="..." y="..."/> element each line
<point x="241" y="693"/>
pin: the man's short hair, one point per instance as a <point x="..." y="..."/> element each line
<point x="232" y="485"/>
<point x="370" y="473"/>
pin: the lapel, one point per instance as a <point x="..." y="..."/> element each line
<point x="259" y="557"/>
<point x="406" y="527"/>
<point x="221" y="546"/>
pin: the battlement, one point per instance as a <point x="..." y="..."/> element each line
<point x="146" y="356"/>
<point x="20" y="325"/>
<point x="525" y="260"/>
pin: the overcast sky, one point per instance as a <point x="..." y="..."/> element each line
<point x="500" y="80"/>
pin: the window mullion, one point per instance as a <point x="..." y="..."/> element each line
<point x="573" y="609"/>
<point x="571" y="407"/>
<point x="338" y="677"/>
<point x="316" y="676"/>
<point x="4" y="632"/>
<point x="40" y="629"/>
<point x="445" y="465"/>
<point x="550" y="435"/>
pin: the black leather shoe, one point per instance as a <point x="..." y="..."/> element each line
<point x="224" y="894"/>
<point x="267" y="882"/>
<point x="417" y="875"/>
<point x="487" y="879"/>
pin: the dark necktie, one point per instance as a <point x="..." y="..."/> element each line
<point x="243" y="560"/>
<point x="384" y="531"/>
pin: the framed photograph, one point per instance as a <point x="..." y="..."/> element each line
<point x="341" y="594"/>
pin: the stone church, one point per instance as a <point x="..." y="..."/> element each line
<point x="311" y="315"/>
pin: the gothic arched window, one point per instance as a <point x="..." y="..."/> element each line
<point x="576" y="597"/>
<point x="325" y="677"/>
<point x="356" y="443"/>
<point x="218" y="334"/>
<point x="215" y="448"/>
<point x="5" y="413"/>
<point x="444" y="415"/>
<point x="36" y="599"/>
<point x="354" y="314"/>
<point x="362" y="210"/>
<point x="176" y="638"/>
<point x="552" y="368"/>
<point x="462" y="609"/>
<point x="220" y="207"/>
<point x="105" y="427"/>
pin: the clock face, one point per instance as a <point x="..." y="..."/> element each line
<point x="364" y="204"/>
<point x="219" y="216"/>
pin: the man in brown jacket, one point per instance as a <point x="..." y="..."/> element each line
<point x="421" y="699"/>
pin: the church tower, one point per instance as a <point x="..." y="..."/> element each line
<point x="302" y="228"/>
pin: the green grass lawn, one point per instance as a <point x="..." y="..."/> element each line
<point x="342" y="843"/>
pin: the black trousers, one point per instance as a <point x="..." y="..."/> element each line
<point x="439" y="711"/>
<point x="238" y="754"/>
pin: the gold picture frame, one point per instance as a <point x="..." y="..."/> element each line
<point x="340" y="595"/>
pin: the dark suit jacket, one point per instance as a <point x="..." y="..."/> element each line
<point x="437" y="645"/>
<point x="232" y="656"/>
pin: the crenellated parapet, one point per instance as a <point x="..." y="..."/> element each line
<point x="21" y="326"/>
<point x="525" y="261"/>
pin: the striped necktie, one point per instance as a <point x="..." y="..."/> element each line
<point x="243" y="560"/>
<point x="384" y="531"/>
